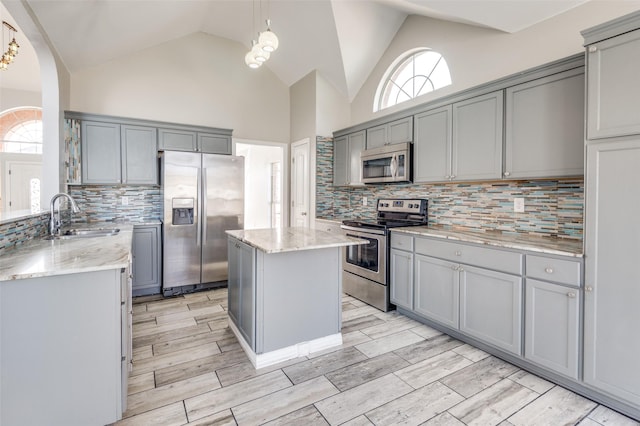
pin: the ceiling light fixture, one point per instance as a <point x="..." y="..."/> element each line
<point x="267" y="42"/>
<point x="268" y="39"/>
<point x="12" y="49"/>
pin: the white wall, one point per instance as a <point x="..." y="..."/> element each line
<point x="198" y="79"/>
<point x="303" y="107"/>
<point x="11" y="98"/>
<point x="333" y="110"/>
<point x="478" y="55"/>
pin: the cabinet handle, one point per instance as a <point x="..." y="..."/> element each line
<point x="454" y="267"/>
<point x="548" y="270"/>
<point x="458" y="253"/>
<point x="593" y="49"/>
<point x="588" y="289"/>
<point x="571" y="295"/>
<point x="460" y="269"/>
<point x="507" y="173"/>
<point x="452" y="177"/>
<point x="447" y="177"/>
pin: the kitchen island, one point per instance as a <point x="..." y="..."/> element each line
<point x="65" y="347"/>
<point x="285" y="290"/>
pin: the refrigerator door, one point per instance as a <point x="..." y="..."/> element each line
<point x="182" y="242"/>
<point x="223" y="209"/>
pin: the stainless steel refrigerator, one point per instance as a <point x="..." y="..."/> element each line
<point x="203" y="197"/>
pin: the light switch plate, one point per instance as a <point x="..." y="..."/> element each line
<point x="125" y="200"/>
<point x="518" y="205"/>
<point x="365" y="201"/>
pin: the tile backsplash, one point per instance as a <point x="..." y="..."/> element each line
<point x="105" y="203"/>
<point x="21" y="230"/>
<point x="552" y="207"/>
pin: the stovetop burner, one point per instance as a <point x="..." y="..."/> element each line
<point x="394" y="213"/>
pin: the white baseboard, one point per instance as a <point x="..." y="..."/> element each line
<point x="294" y="351"/>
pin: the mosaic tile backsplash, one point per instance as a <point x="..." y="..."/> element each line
<point x="104" y="203"/>
<point x="19" y="231"/>
<point x="552" y="207"/>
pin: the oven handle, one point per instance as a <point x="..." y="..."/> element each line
<point x="363" y="230"/>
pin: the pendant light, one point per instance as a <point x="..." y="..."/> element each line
<point x="268" y="39"/>
<point x="12" y="49"/>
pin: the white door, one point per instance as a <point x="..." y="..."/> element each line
<point x="22" y="186"/>
<point x="300" y="183"/>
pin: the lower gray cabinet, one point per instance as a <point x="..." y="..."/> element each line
<point x="491" y="307"/>
<point x="552" y="325"/>
<point x="437" y="288"/>
<point x="401" y="263"/>
<point x="146" y="260"/>
<point x="241" y="289"/>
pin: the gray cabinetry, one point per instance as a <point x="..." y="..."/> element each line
<point x="551" y="326"/>
<point x="491" y="307"/>
<point x="612" y="293"/>
<point x="241" y="289"/>
<point x="477" y="138"/>
<point x="101" y="153"/>
<point x="437" y="290"/>
<point x="146" y="260"/>
<point x="545" y="127"/>
<point x="432" y="145"/>
<point x="186" y="140"/>
<point x="401" y="273"/>
<point x="346" y="159"/>
<point x="612" y="89"/>
<point x="139" y="155"/>
<point x="397" y="131"/>
<point x="115" y="154"/>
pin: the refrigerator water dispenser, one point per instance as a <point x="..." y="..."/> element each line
<point x="182" y="211"/>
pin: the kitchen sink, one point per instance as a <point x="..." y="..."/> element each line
<point x="84" y="233"/>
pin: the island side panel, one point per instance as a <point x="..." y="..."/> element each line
<point x="299" y="297"/>
<point x="61" y="349"/>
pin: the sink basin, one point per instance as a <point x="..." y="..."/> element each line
<point x="84" y="233"/>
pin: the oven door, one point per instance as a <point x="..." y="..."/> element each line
<point x="367" y="260"/>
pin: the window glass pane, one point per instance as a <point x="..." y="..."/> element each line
<point x="440" y="76"/>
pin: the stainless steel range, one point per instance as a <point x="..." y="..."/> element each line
<point x="365" y="267"/>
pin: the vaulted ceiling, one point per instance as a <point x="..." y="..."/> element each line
<point x="342" y="39"/>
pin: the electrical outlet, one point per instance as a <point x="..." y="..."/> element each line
<point x="365" y="201"/>
<point x="125" y="200"/>
<point x="518" y="205"/>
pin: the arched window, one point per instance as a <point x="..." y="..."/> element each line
<point x="21" y="130"/>
<point x="414" y="73"/>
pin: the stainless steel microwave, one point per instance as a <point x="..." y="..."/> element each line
<point x="389" y="163"/>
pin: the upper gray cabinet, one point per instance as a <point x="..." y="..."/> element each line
<point x="101" y="155"/>
<point x="613" y="91"/>
<point x="346" y="159"/>
<point x="432" y="146"/>
<point x="185" y="140"/>
<point x="545" y="127"/>
<point x="139" y="155"/>
<point x="397" y="131"/>
<point x="118" y="154"/>
<point x="477" y="138"/>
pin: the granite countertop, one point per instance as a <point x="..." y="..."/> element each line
<point x="533" y="243"/>
<point x="42" y="258"/>
<point x="279" y="240"/>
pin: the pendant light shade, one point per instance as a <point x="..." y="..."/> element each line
<point x="251" y="61"/>
<point x="259" y="53"/>
<point x="268" y="39"/>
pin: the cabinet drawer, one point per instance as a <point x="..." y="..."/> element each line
<point x="550" y="269"/>
<point x="498" y="260"/>
<point x="401" y="241"/>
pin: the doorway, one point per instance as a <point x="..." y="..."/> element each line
<point x="263" y="183"/>
<point x="300" y="197"/>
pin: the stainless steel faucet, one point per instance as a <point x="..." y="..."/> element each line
<point x="54" y="224"/>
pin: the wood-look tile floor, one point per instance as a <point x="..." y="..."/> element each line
<point x="188" y="368"/>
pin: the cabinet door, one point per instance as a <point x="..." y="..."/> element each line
<point x="491" y="307"/>
<point x="401" y="263"/>
<point x="376" y="136"/>
<point x="356" y="146"/>
<point x="477" y="138"/>
<point x="139" y="155"/>
<point x="611" y="311"/>
<point x="613" y="102"/>
<point x="551" y="326"/>
<point x="247" y="294"/>
<point x="545" y="127"/>
<point x="177" y="140"/>
<point x="340" y="161"/>
<point x="437" y="290"/>
<point x="233" y="281"/>
<point x="214" y="144"/>
<point x="432" y="145"/>
<point x="400" y="131"/>
<point x="146" y="260"/>
<point x="100" y="153"/>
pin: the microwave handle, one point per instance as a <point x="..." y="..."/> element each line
<point x="394" y="165"/>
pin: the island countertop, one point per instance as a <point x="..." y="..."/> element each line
<point x="41" y="258"/>
<point x="279" y="240"/>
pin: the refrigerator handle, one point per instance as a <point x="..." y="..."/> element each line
<point x="203" y="194"/>
<point x="199" y="209"/>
